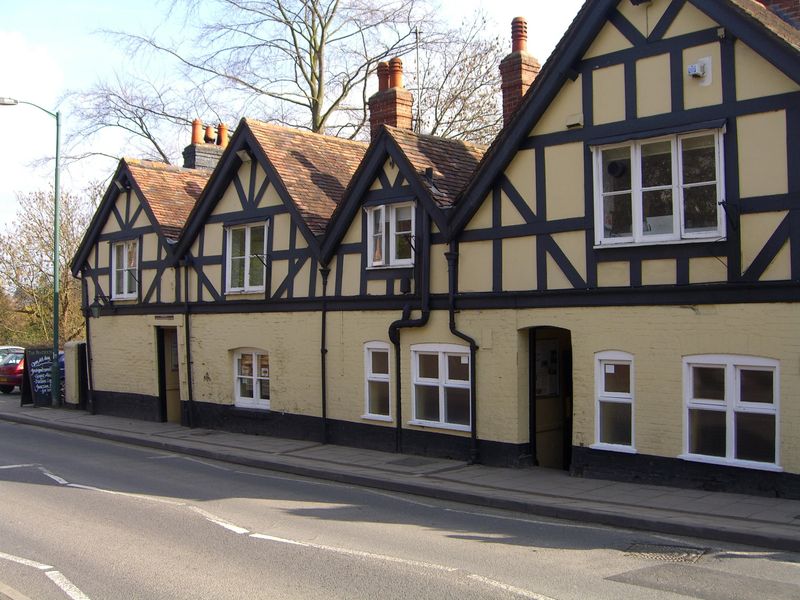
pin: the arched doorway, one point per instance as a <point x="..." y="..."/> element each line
<point x="550" y="396"/>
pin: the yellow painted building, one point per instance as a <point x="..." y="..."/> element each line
<point x="611" y="288"/>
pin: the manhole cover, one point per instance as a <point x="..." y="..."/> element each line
<point x="666" y="553"/>
<point x="411" y="461"/>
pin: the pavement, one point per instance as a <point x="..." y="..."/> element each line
<point x="752" y="520"/>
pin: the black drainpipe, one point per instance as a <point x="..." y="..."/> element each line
<point x="452" y="272"/>
<point x="86" y="314"/>
<point x="406" y="321"/>
<point x="323" y="350"/>
<point x="187" y="330"/>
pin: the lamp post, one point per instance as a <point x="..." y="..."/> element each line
<point x="55" y="381"/>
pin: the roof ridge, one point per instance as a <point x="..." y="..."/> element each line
<point x="158" y="165"/>
<point x="303" y="132"/>
<point x="430" y="136"/>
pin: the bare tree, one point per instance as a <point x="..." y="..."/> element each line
<point x="26" y="267"/>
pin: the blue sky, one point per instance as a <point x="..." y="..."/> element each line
<point x="51" y="46"/>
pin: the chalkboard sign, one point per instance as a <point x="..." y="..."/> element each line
<point x="37" y="377"/>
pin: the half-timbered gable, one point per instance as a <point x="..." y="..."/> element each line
<point x="255" y="234"/>
<point x="385" y="240"/>
<point x="637" y="159"/>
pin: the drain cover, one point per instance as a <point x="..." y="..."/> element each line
<point x="411" y="461"/>
<point x="682" y="554"/>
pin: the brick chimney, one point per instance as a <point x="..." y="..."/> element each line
<point x="206" y="147"/>
<point x="788" y="10"/>
<point x="517" y="70"/>
<point x="391" y="104"/>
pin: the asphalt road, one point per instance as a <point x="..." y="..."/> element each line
<point x="85" y="518"/>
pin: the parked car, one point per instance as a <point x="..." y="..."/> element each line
<point x="5" y="350"/>
<point x="11" y="366"/>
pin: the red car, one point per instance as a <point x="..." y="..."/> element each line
<point x="11" y="366"/>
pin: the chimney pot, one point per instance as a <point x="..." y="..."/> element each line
<point x="209" y="137"/>
<point x="383" y="76"/>
<point x="197" y="131"/>
<point x="396" y="73"/>
<point x="519" y="35"/>
<point x="222" y="135"/>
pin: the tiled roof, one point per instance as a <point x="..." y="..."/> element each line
<point x="170" y="192"/>
<point x="452" y="161"/>
<point x="314" y="168"/>
<point x="773" y="23"/>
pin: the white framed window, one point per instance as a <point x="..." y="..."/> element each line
<point x="614" y="394"/>
<point x="441" y="384"/>
<point x="251" y="378"/>
<point x="658" y="190"/>
<point x="125" y="264"/>
<point x="731" y="410"/>
<point x="377" y="392"/>
<point x="246" y="263"/>
<point x="390" y="235"/>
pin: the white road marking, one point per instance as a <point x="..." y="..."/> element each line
<point x="69" y="588"/>
<point x="272" y="538"/>
<point x="126" y="494"/>
<point x="509" y="588"/>
<point x="25" y="561"/>
<point x="66" y="586"/>
<point x="55" y="478"/>
<point x="218" y="521"/>
<point x="12" y="593"/>
<point x="202" y="462"/>
<point x="18" y="466"/>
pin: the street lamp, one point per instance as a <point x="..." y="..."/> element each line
<point x="55" y="381"/>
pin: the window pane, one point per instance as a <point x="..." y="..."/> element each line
<point x="263" y="386"/>
<point x="617" y="169"/>
<point x="615" y="423"/>
<point x="131" y="250"/>
<point x="377" y="222"/>
<point x="380" y="362"/>
<point x="657" y="212"/>
<point x="708" y="383"/>
<point x="377" y="249"/>
<point x="402" y="246"/>
<point x="700" y="208"/>
<point x="617" y="378"/>
<point x="263" y="365"/>
<point x="402" y="219"/>
<point x="255" y="277"/>
<point x="245" y="388"/>
<point x="119" y="256"/>
<point x="237" y="272"/>
<point x="458" y="367"/>
<point x="699" y="159"/>
<point x="379" y="397"/>
<point x="428" y="366"/>
<point x="427" y="402"/>
<point x="657" y="164"/>
<point x="131" y="277"/>
<point x="707" y="432"/>
<point x="245" y="365"/>
<point x="119" y="282"/>
<point x="257" y="240"/>
<point x="456" y="406"/>
<point x="617" y="217"/>
<point x="237" y="242"/>
<point x="755" y="386"/>
<point x="755" y="437"/>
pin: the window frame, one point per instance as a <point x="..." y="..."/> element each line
<point x="369" y="376"/>
<point x="601" y="359"/>
<point x="388" y="235"/>
<point x="679" y="235"/>
<point x="248" y="256"/>
<point x="125" y="294"/>
<point x="731" y="404"/>
<point x="244" y="401"/>
<point x="443" y="351"/>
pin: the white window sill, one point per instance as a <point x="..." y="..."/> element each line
<point x="250" y="404"/>
<point x="438" y="425"/>
<point x="379" y="267"/>
<point x="122" y="298"/>
<point x="385" y="418"/>
<point x="613" y="448"/>
<point x="244" y="292"/>
<point x="731" y="462"/>
<point x="611" y="244"/>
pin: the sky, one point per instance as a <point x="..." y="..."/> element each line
<point x="51" y="47"/>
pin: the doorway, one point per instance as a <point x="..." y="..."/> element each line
<point x="169" y="390"/>
<point x="550" y="396"/>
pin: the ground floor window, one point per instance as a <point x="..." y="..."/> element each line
<point x="376" y="381"/>
<point x="441" y="386"/>
<point x="614" y="400"/>
<point x="251" y="385"/>
<point x="731" y="414"/>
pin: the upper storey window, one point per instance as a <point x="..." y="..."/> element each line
<point x="390" y="235"/>
<point x="125" y="262"/>
<point x="662" y="189"/>
<point x="246" y="262"/>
